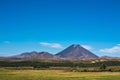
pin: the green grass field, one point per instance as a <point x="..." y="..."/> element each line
<point x="56" y="75"/>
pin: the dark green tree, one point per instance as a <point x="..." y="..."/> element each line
<point x="103" y="66"/>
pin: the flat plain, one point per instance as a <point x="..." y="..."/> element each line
<point x="56" y="75"/>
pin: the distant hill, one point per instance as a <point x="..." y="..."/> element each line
<point x="76" y="51"/>
<point x="31" y="55"/>
<point x="109" y="57"/>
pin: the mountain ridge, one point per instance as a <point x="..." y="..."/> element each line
<point x="32" y="55"/>
<point x="75" y="51"/>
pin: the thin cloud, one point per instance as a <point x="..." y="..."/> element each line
<point x="114" y="49"/>
<point x="7" y="42"/>
<point x="87" y="47"/>
<point x="51" y="45"/>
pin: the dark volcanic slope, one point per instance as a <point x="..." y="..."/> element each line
<point x="76" y="51"/>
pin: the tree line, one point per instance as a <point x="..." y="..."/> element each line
<point x="39" y="64"/>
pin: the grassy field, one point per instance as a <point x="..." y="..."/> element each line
<point x="56" y="75"/>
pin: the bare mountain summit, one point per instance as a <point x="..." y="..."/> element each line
<point x="76" y="51"/>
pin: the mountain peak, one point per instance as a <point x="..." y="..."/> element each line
<point x="76" y="51"/>
<point x="75" y="45"/>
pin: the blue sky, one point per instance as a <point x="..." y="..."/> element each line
<point x="52" y="25"/>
